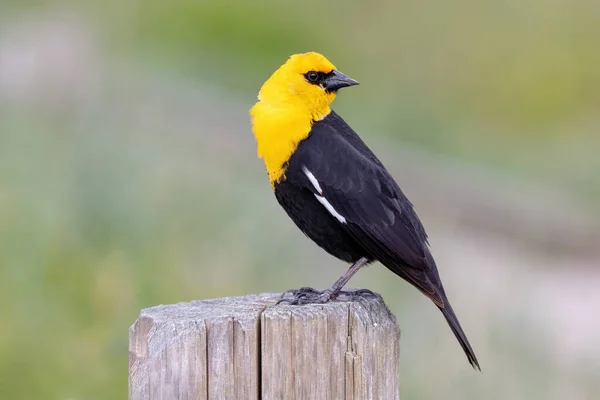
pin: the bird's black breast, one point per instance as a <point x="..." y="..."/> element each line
<point x="315" y="221"/>
<point x="342" y="197"/>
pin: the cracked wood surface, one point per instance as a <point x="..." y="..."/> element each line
<point x="249" y="348"/>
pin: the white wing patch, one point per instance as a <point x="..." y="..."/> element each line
<point x="312" y="179"/>
<point x="322" y="199"/>
<point x="330" y="208"/>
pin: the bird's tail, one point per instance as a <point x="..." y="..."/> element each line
<point x="459" y="333"/>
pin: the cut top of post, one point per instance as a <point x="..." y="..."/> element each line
<point x="249" y="348"/>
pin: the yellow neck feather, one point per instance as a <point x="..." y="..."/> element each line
<point x="287" y="106"/>
<point x="278" y="131"/>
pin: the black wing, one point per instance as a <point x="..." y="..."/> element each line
<point x="375" y="211"/>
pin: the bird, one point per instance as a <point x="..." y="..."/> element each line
<point x="334" y="188"/>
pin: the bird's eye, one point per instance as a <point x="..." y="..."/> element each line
<point x="312" y="76"/>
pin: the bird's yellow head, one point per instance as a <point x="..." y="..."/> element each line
<point x="299" y="93"/>
<point x="307" y="81"/>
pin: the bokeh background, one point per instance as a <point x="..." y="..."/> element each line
<point x="129" y="178"/>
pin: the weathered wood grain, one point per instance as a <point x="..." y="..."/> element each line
<point x="250" y="348"/>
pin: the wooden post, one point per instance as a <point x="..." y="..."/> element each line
<point x="250" y="348"/>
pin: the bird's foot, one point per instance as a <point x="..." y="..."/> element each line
<point x="301" y="291"/>
<point x="358" y="293"/>
<point x="307" y="295"/>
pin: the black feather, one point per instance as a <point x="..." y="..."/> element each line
<point x="380" y="222"/>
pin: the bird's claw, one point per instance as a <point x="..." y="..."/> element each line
<point x="307" y="295"/>
<point x="303" y="291"/>
<point x="359" y="293"/>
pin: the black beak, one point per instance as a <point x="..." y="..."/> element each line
<point x="336" y="80"/>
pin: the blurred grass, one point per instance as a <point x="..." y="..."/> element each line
<point x="512" y="85"/>
<point x="120" y="200"/>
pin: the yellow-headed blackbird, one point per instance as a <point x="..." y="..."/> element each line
<point x="335" y="189"/>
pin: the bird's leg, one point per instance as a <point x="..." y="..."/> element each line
<point x="310" y="296"/>
<point x="336" y="288"/>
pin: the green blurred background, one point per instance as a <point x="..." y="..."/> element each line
<point x="129" y="178"/>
